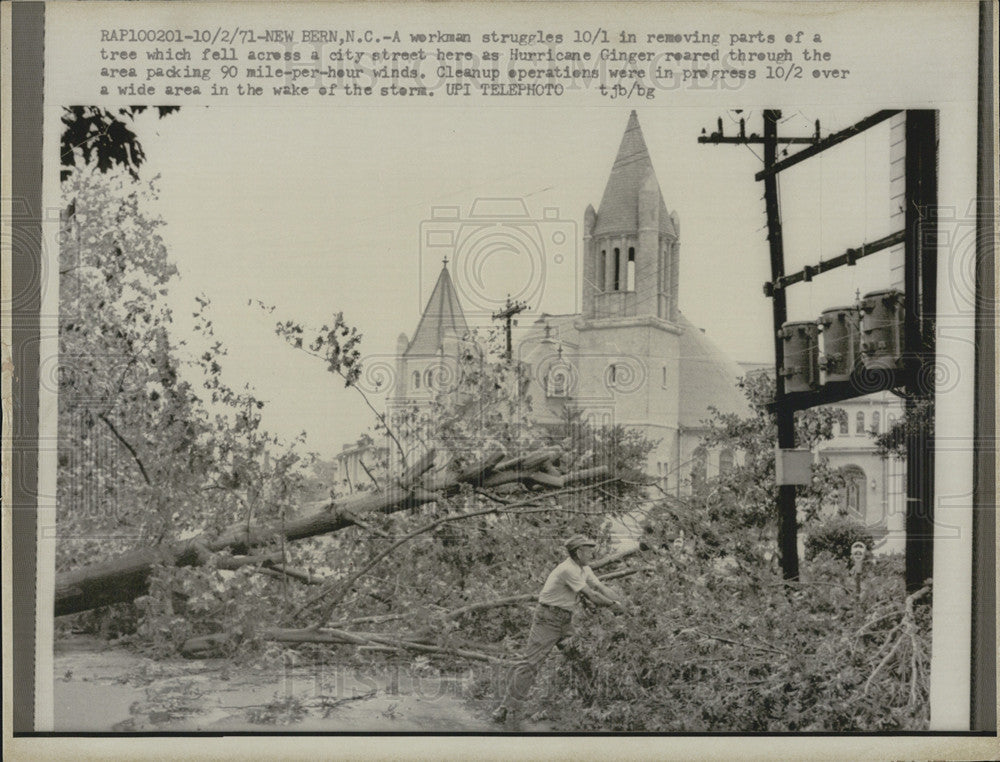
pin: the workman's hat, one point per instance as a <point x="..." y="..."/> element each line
<point x="578" y="541"/>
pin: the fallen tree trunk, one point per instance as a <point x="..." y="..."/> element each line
<point x="127" y="577"/>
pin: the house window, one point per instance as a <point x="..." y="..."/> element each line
<point x="428" y="378"/>
<point x="842" y="421"/>
<point x="416" y="379"/>
<point x="859" y="422"/>
<point x="853" y="501"/>
<point x="602" y="272"/>
<point x="875" y="422"/>
<point x="726" y="461"/>
<point x="618" y="270"/>
<point x="630" y="270"/>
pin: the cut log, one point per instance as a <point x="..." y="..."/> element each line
<point x="127" y="577"/>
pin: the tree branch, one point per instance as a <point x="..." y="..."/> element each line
<point x="378" y="487"/>
<point x="130" y="448"/>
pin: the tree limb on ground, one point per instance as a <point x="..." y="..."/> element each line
<point x="208" y="645"/>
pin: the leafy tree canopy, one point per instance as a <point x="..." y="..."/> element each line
<point x="103" y="137"/>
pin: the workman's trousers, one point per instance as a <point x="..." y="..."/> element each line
<point x="549" y="626"/>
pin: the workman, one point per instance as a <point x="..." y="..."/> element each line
<point x="552" y="623"/>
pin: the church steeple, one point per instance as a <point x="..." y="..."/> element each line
<point x="442" y="319"/>
<point x="631" y="244"/>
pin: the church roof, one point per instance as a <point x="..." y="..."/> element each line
<point x="707" y="378"/>
<point x="619" y="209"/>
<point x="442" y="316"/>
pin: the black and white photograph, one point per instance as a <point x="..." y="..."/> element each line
<point x="511" y="414"/>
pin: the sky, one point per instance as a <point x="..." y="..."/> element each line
<point x="317" y="210"/>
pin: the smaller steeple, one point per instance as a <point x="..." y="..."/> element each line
<point x="442" y="318"/>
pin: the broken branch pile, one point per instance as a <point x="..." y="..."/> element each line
<point x="210" y="645"/>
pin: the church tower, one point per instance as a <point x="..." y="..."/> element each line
<point x="631" y="243"/>
<point x="427" y="364"/>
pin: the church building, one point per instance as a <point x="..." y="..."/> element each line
<point x="630" y="357"/>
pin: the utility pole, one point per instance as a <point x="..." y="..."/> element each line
<point x="785" y="414"/>
<point x="919" y="237"/>
<point x="787" y="521"/>
<point x="507" y="314"/>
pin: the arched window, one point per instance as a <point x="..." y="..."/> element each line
<point x="853" y="500"/>
<point x="842" y="421"/>
<point x="726" y="461"/>
<point x="602" y="272"/>
<point x="875" y="422"/>
<point x="618" y="270"/>
<point x="859" y="425"/>
<point x="416" y="379"/>
<point x="630" y="270"/>
<point x="429" y="378"/>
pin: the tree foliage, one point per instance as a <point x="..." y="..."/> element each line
<point x="917" y="421"/>
<point x="736" y="511"/>
<point x="103" y="138"/>
<point x="836" y="536"/>
<point x="153" y="443"/>
<point x="719" y="649"/>
<point x="716" y="640"/>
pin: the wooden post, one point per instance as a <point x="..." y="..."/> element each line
<point x="787" y="521"/>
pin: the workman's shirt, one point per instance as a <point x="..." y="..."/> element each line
<point x="564" y="584"/>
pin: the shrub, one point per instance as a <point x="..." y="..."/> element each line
<point x="836" y="536"/>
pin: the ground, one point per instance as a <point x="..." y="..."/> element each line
<point x="107" y="688"/>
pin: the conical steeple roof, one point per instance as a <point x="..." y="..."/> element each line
<point x="442" y="317"/>
<point x="619" y="210"/>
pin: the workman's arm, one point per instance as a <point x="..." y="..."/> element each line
<point x="604" y="590"/>
<point x="595" y="584"/>
<point x="600" y="599"/>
